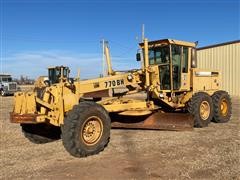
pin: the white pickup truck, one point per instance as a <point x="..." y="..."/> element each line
<point x="7" y="86"/>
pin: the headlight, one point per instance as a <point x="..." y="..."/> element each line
<point x="161" y="95"/>
<point x="130" y="77"/>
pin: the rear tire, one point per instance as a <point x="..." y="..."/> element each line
<point x="222" y="107"/>
<point x="201" y="107"/>
<point x="86" y="129"/>
<point x="41" y="133"/>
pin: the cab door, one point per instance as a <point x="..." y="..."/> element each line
<point x="160" y="56"/>
<point x="176" y="57"/>
<point x="185" y="76"/>
<point x="172" y="61"/>
<point x="180" y="75"/>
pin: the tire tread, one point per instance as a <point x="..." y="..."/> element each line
<point x="69" y="128"/>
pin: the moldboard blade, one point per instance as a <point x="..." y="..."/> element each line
<point x="157" y="120"/>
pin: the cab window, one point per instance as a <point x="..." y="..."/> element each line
<point x="151" y="57"/>
<point x="159" y="55"/>
<point x="65" y="72"/>
<point x="185" y="60"/>
<point x="176" y="66"/>
<point x="54" y="75"/>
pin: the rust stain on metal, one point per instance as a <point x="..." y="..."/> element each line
<point x="102" y="93"/>
<point x="25" y="118"/>
<point x="158" y="120"/>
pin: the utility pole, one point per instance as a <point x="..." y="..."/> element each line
<point x="143" y="31"/>
<point x="103" y="57"/>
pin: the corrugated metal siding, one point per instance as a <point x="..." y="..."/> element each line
<point x="226" y="59"/>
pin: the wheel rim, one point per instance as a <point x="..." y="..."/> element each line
<point x="204" y="110"/>
<point x="224" y="107"/>
<point x="92" y="130"/>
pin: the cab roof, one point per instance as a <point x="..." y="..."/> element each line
<point x="168" y="41"/>
<point x="5" y="74"/>
<point x="54" y="67"/>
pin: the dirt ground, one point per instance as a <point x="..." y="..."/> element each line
<point x="207" y="153"/>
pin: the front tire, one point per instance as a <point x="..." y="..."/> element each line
<point x="86" y="129"/>
<point x="222" y="107"/>
<point x="201" y="107"/>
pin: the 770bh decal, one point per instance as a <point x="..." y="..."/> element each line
<point x="114" y="83"/>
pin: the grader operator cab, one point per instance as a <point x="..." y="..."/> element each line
<point x="57" y="74"/>
<point x="175" y="95"/>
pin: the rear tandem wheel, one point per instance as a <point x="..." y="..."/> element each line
<point x="201" y="107"/>
<point x="222" y="107"/>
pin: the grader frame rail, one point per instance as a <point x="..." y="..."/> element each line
<point x="178" y="97"/>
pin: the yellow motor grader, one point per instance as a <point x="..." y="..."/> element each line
<point x="167" y="92"/>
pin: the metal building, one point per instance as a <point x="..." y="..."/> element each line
<point x="224" y="57"/>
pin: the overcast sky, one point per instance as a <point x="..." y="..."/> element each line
<point x="36" y="34"/>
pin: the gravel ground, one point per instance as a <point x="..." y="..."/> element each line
<point x="207" y="153"/>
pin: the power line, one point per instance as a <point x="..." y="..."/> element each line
<point x="126" y="52"/>
<point x="119" y="44"/>
<point x="26" y="39"/>
<point x="29" y="39"/>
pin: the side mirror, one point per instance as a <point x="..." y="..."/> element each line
<point x="71" y="80"/>
<point x="138" y="56"/>
<point x="194" y="58"/>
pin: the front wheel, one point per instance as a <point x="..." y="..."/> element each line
<point x="222" y="107"/>
<point x="86" y="129"/>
